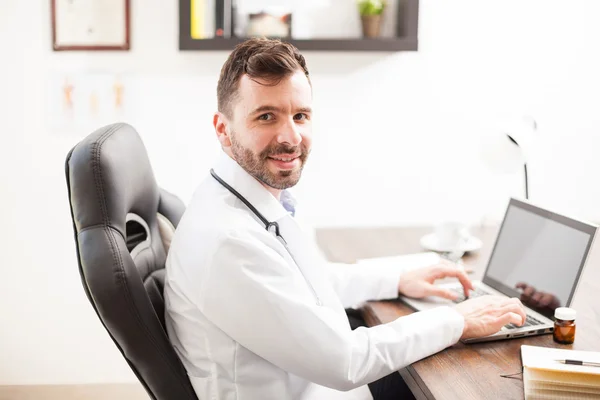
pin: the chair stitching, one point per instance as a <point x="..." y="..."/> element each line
<point x="96" y="170"/>
<point x="87" y="228"/>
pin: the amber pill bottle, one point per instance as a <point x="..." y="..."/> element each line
<point x="564" y="325"/>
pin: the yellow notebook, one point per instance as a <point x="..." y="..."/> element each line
<point x="547" y="379"/>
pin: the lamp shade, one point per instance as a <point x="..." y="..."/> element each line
<point x="508" y="146"/>
<point x="500" y="155"/>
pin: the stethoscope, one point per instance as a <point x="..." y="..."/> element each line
<point x="268" y="225"/>
<point x="271" y="227"/>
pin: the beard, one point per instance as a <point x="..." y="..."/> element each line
<point x="257" y="164"/>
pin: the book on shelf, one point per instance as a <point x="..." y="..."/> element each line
<point x="224" y="12"/>
<point x="212" y="18"/>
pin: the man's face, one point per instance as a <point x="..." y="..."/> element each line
<point x="270" y="129"/>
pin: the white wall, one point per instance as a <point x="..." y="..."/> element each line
<point x="396" y="143"/>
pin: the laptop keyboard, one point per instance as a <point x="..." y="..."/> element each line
<point x="529" y="321"/>
<point x="478" y="292"/>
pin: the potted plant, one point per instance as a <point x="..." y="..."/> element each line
<point x="371" y="16"/>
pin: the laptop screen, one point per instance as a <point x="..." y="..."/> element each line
<point x="538" y="249"/>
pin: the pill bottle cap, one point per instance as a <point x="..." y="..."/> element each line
<point x="565" y="313"/>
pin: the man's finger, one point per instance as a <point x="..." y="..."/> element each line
<point x="441" y="292"/>
<point x="509" y="305"/>
<point x="509" y="318"/>
<point x="453" y="272"/>
<point x="514" y="307"/>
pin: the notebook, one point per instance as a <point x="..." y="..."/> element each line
<point x="545" y="378"/>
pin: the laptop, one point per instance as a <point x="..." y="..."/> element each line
<point x="535" y="246"/>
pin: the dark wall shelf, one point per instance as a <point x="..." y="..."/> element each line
<point x="406" y="36"/>
<point x="383" y="44"/>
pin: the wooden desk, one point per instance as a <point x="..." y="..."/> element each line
<point x="461" y="371"/>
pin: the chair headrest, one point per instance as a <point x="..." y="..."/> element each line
<point x="113" y="178"/>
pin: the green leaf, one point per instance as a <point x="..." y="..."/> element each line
<point x="370" y="7"/>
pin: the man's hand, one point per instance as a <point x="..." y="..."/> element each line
<point x="419" y="283"/>
<point x="486" y="315"/>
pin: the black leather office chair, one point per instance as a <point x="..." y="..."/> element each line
<point x="116" y="205"/>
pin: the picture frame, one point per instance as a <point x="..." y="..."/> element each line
<point x="90" y="25"/>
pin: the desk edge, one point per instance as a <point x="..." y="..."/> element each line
<point x="369" y="315"/>
<point x="410" y="376"/>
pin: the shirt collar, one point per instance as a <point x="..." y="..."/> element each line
<point x="249" y="187"/>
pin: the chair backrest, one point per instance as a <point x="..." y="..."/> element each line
<point x="116" y="208"/>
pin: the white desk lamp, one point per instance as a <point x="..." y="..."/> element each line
<point x="509" y="148"/>
<point x="506" y="150"/>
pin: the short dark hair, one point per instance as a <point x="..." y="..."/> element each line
<point x="259" y="58"/>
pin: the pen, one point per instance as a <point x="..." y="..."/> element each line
<point x="577" y="362"/>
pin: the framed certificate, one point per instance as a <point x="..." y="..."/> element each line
<point x="90" y="24"/>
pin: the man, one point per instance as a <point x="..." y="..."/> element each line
<point x="252" y="309"/>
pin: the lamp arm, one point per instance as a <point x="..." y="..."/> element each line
<point x="526" y="181"/>
<point x="524" y="167"/>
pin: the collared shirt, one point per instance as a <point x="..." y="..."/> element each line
<point x="288" y="202"/>
<point x="253" y="316"/>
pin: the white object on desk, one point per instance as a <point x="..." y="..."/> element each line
<point x="433" y="243"/>
<point x="546" y="378"/>
<point x="407" y="261"/>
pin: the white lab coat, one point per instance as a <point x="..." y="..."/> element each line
<point x="249" y="323"/>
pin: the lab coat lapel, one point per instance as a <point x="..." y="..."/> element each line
<point x="301" y="248"/>
<point x="307" y="257"/>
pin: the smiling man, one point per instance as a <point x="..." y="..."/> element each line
<point x="248" y="137"/>
<point x="252" y="309"/>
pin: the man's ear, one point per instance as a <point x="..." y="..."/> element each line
<point x="221" y="123"/>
